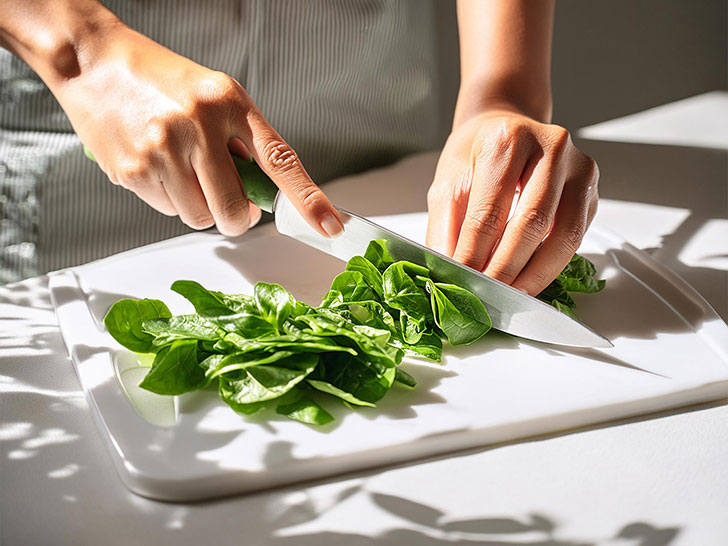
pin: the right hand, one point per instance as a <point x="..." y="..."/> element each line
<point x="163" y="127"/>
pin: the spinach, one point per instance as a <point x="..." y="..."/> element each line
<point x="175" y="369"/>
<point x="268" y="350"/>
<point x="577" y="276"/>
<point x="125" y="320"/>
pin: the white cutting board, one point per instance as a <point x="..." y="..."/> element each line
<point x="670" y="349"/>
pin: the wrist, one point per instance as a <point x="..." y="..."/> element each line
<point x="62" y="40"/>
<point x="477" y="96"/>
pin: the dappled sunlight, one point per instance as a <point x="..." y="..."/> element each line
<point x="700" y="121"/>
<point x="708" y="247"/>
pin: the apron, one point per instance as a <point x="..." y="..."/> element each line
<point x="350" y="85"/>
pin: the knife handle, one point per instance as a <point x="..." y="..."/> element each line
<point x="258" y="187"/>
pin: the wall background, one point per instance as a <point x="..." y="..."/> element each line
<point x="617" y="57"/>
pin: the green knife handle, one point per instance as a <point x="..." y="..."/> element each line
<point x="259" y="188"/>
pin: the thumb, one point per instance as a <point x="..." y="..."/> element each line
<point x="282" y="165"/>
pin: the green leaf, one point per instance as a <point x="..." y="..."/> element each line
<point x="556" y="292"/>
<point x="305" y="410"/>
<point x="166" y="330"/>
<point x="458" y="313"/>
<point x="352" y="379"/>
<point x="429" y="346"/>
<point x="401" y="293"/>
<point x="564" y="309"/>
<point x="274" y="302"/>
<point x="244" y="389"/>
<point x="242" y="361"/>
<point x="175" y="369"/>
<point x="372" y="313"/>
<point x="247" y="325"/>
<point x="578" y="276"/>
<point x="352" y="287"/>
<point x="125" y="321"/>
<point x="404" y="378"/>
<point x="378" y="255"/>
<point x="371" y="275"/>
<point x="206" y="302"/>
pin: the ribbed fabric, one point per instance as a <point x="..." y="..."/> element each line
<point x="349" y="84"/>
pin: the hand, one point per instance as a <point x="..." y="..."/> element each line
<point x="163" y="127"/>
<point x="485" y="160"/>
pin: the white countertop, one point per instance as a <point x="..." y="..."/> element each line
<point x="657" y="480"/>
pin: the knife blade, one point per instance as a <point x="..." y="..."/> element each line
<point x="510" y="310"/>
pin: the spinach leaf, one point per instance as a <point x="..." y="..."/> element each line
<point x="370" y="274"/>
<point x="401" y="293"/>
<point x="245" y="389"/>
<point x="125" y="321"/>
<point x="578" y="276"/>
<point x="401" y="376"/>
<point x="274" y="302"/>
<point x="247" y="325"/>
<point x="305" y="410"/>
<point x="352" y="379"/>
<point x="206" y="302"/>
<point x="460" y="314"/>
<point x="346" y="287"/>
<point x="166" y="330"/>
<point x="378" y="255"/>
<point x="175" y="369"/>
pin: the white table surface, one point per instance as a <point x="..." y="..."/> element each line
<point x="653" y="481"/>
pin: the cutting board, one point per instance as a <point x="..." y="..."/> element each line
<point x="670" y="349"/>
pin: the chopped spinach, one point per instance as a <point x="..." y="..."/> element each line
<point x="270" y="351"/>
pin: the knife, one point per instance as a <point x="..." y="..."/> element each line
<point x="510" y="310"/>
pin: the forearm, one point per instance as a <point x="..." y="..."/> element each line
<point x="59" y="39"/>
<point x="505" y="52"/>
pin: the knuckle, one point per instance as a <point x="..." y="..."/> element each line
<point x="311" y="197"/>
<point x="538" y="281"/>
<point x="559" y="138"/>
<point x="231" y="207"/>
<point x="279" y="156"/>
<point x="200" y="219"/>
<point x="572" y="237"/>
<point x="217" y="91"/>
<point x="487" y="220"/>
<point x="535" y="223"/>
<point x="503" y="271"/>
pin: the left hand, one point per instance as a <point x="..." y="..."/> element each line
<point x="485" y="160"/>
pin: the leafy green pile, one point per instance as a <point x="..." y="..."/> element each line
<point x="577" y="276"/>
<point x="269" y="350"/>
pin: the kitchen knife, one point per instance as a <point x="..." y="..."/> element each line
<point x="510" y="310"/>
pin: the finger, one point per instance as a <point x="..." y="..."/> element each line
<point x="237" y="148"/>
<point x="146" y="181"/>
<point x="183" y="189"/>
<point x="495" y="178"/>
<point x="222" y="188"/>
<point x="573" y="216"/>
<point x="447" y="201"/>
<point x="531" y="221"/>
<point x="255" y="214"/>
<point x="282" y="165"/>
<point x="154" y="195"/>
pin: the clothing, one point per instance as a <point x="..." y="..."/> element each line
<point x="349" y="84"/>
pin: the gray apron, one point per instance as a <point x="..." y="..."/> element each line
<point x="349" y="84"/>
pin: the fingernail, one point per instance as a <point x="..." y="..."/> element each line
<point x="332" y="225"/>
